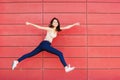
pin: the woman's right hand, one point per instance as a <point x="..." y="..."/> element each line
<point x="27" y="23"/>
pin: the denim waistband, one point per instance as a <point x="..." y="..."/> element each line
<point x="46" y="41"/>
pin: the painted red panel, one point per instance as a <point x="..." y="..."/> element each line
<point x="20" y="18"/>
<point x="19" y="51"/>
<point x="27" y="63"/>
<point x="41" y="1"/>
<point x="64" y="0"/>
<point x="104" y="0"/>
<point x="35" y="40"/>
<point x="20" y="74"/>
<point x="20" y="7"/>
<point x="65" y="7"/>
<point x="106" y="8"/>
<point x="69" y="52"/>
<point x="103" y="18"/>
<point x="20" y="40"/>
<point x="104" y="51"/>
<point x="19" y="30"/>
<point x="55" y="62"/>
<point x="103" y="63"/>
<point x="103" y="29"/>
<point x="104" y="74"/>
<point x="62" y="75"/>
<point x="66" y="18"/>
<point x="70" y="41"/>
<point x="75" y="30"/>
<point x="16" y="51"/>
<point x="103" y="40"/>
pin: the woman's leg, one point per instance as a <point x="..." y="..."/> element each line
<point x="33" y="53"/>
<point x="60" y="55"/>
<point x="56" y="52"/>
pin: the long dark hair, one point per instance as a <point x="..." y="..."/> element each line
<point x="58" y="27"/>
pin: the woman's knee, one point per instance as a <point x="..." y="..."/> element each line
<point x="59" y="53"/>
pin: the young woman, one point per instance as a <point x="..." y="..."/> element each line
<point x="45" y="45"/>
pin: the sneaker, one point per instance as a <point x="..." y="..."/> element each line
<point x="15" y="62"/>
<point x="68" y="68"/>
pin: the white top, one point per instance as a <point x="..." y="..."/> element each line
<point x="50" y="36"/>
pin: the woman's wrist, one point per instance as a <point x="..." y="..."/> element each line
<point x="27" y="23"/>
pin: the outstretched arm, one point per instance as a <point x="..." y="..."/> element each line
<point x="70" y="26"/>
<point x="37" y="26"/>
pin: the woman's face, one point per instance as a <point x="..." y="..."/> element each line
<point x="55" y="23"/>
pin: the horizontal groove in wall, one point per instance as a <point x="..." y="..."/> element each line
<point x="45" y="2"/>
<point x="64" y="24"/>
<point x="61" y="35"/>
<point x="65" y="57"/>
<point x="58" y="1"/>
<point x="61" y="69"/>
<point x="66" y="46"/>
<point x="60" y="13"/>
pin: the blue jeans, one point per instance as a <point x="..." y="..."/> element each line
<point x="44" y="46"/>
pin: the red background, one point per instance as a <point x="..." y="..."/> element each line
<point x="93" y="47"/>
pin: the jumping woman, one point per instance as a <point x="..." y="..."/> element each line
<point x="45" y="45"/>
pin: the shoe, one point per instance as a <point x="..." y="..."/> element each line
<point x="68" y="68"/>
<point x="15" y="62"/>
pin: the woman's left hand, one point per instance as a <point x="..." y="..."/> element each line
<point x="27" y="23"/>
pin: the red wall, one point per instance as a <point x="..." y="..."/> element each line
<point x="93" y="47"/>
